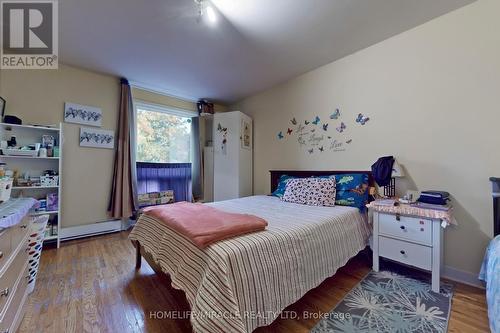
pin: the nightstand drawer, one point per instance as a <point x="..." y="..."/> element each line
<point x="404" y="227"/>
<point x="408" y="253"/>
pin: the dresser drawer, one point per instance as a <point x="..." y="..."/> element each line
<point x="408" y="253"/>
<point x="10" y="277"/>
<point x="10" y="319"/>
<point x="404" y="227"/>
<point x="5" y="247"/>
<point x="19" y="231"/>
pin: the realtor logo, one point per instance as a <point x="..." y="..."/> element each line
<point x="29" y="37"/>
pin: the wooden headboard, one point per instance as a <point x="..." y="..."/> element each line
<point x="276" y="174"/>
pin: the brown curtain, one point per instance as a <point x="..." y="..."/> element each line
<point x="123" y="201"/>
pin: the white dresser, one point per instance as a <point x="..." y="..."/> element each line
<point x="14" y="274"/>
<point x="411" y="240"/>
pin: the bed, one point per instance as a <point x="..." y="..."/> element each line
<point x="242" y="283"/>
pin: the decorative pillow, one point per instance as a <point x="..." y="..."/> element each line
<point x="352" y="198"/>
<point x="280" y="190"/>
<point x="350" y="181"/>
<point x="310" y="191"/>
<point x="352" y="190"/>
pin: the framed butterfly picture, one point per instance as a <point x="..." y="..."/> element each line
<point x="246" y="134"/>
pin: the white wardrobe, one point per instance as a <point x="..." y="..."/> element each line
<point x="232" y="157"/>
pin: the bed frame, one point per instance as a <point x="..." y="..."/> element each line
<point x="275" y="176"/>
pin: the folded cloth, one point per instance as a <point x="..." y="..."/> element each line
<point x="435" y="194"/>
<point x="433" y="200"/>
<point x="432" y="206"/>
<point x="205" y="225"/>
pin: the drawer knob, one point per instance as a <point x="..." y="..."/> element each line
<point x="4" y="293"/>
<point x="402" y="227"/>
<point x="402" y="252"/>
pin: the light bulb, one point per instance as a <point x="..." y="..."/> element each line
<point x="212" y="17"/>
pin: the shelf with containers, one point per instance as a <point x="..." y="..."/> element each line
<point x="35" y="165"/>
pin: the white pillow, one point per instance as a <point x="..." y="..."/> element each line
<point x="311" y="191"/>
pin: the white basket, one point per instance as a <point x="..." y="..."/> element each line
<point x="20" y="152"/>
<point x="37" y="235"/>
<point x="49" y="180"/>
<point x="5" y="189"/>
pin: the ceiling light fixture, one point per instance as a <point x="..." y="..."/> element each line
<point x="205" y="8"/>
<point x="212" y="17"/>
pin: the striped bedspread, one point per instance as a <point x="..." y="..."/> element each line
<point x="239" y="284"/>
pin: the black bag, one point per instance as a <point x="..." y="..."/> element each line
<point x="382" y="170"/>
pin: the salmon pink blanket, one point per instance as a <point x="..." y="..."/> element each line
<point x="205" y="225"/>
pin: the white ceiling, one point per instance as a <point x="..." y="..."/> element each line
<point x="255" y="44"/>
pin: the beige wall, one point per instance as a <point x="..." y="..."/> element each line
<point x="38" y="96"/>
<point x="433" y="96"/>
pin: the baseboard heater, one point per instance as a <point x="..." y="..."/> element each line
<point x="93" y="229"/>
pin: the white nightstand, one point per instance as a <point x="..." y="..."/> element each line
<point x="412" y="240"/>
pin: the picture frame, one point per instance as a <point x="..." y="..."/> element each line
<point x="246" y="134"/>
<point x="82" y="114"/>
<point x="97" y="138"/>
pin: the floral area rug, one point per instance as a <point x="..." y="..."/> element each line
<point x="395" y="299"/>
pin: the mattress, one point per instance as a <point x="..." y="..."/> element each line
<point x="242" y="283"/>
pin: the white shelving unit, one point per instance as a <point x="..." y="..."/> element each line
<point x="29" y="134"/>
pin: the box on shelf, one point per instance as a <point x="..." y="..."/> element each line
<point x="48" y="231"/>
<point x="155" y="198"/>
<point x="52" y="201"/>
<point x="42" y="205"/>
<point x="5" y="189"/>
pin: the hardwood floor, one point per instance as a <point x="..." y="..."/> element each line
<point x="91" y="285"/>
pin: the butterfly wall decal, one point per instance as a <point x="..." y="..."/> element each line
<point x="306" y="122"/>
<point x="348" y="141"/>
<point x="294" y="121"/>
<point x="329" y="137"/>
<point x="289" y="131"/>
<point x="341" y="128"/>
<point x="325" y="127"/>
<point x="316" y="120"/>
<point x="280" y="135"/>
<point x="335" y="115"/>
<point x="321" y="149"/>
<point x="221" y="129"/>
<point x="362" y="119"/>
<point x="311" y="150"/>
<point x="313" y="130"/>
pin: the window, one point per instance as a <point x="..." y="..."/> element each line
<point x="163" y="135"/>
